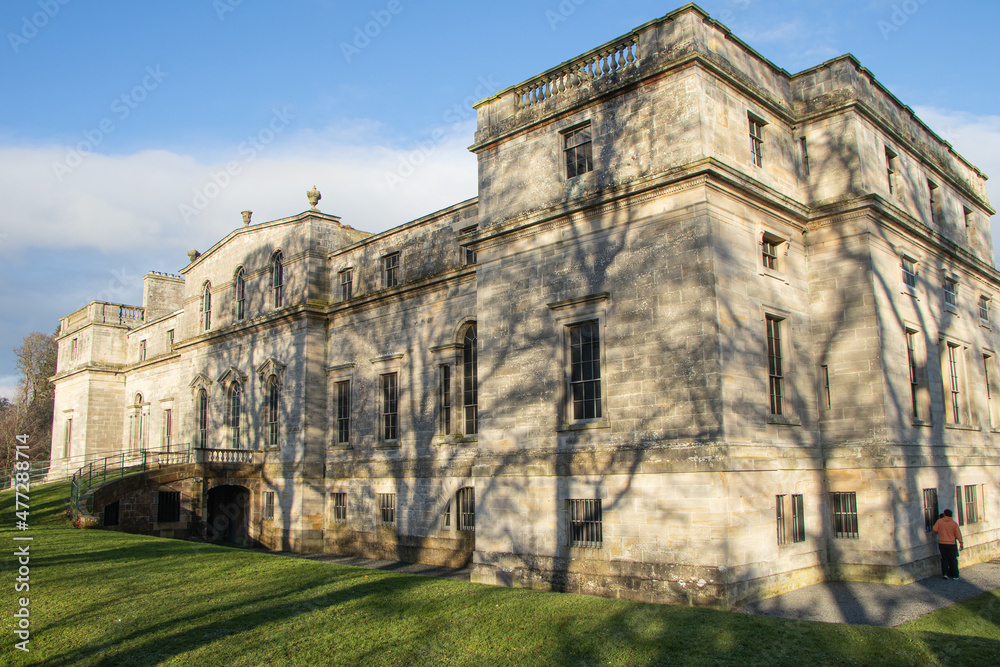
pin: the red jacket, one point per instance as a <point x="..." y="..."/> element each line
<point x="947" y="531"/>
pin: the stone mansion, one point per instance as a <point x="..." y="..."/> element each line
<point x="710" y="331"/>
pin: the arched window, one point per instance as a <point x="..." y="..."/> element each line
<point x="206" y="307"/>
<point x="234" y="415"/>
<point x="271" y="411"/>
<point x="278" y="279"/>
<point x="203" y="419"/>
<point x="241" y="295"/>
<point x="470" y="381"/>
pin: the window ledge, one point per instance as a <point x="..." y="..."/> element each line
<point x="910" y="292"/>
<point x="995" y="430"/>
<point x="781" y="420"/>
<point x="584" y="426"/>
<point x="951" y="309"/>
<point x="985" y="325"/>
<point x="392" y="444"/>
<point x="921" y="422"/>
<point x="457" y="439"/>
<point x="340" y="446"/>
<point x="962" y="427"/>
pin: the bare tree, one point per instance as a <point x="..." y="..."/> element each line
<point x="31" y="412"/>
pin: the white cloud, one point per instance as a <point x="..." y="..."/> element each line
<point x="8" y="386"/>
<point x="123" y="202"/>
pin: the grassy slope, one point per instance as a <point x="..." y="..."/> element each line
<point x="114" y="599"/>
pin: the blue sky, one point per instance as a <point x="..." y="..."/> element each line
<point x="170" y="93"/>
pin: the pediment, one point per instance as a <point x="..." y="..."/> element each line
<point x="271" y="367"/>
<point x="232" y="374"/>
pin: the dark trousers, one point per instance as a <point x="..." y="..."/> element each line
<point x="949" y="560"/>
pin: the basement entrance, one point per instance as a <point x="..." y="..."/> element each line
<point x="229" y="516"/>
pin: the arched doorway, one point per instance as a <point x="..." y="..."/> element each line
<point x="229" y="516"/>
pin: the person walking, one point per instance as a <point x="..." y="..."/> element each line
<point x="949" y="542"/>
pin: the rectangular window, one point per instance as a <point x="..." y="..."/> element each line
<point x="909" y="273"/>
<point x="444" y="398"/>
<point x="68" y="439"/>
<point x="951" y="292"/>
<point x="776" y="377"/>
<point x="891" y="167"/>
<point x="585" y="370"/>
<point x="387" y="509"/>
<point x="72" y="349"/>
<point x="168" y="507"/>
<point x="911" y="361"/>
<point x="447" y="514"/>
<point x="111" y="511"/>
<point x="344" y="412"/>
<point x="826" y="386"/>
<point x="805" y="155"/>
<point x="142" y="350"/>
<point x="954" y="384"/>
<point x="769" y="252"/>
<point x="988" y="377"/>
<point x="390" y="406"/>
<point x="340" y="507"/>
<point x="586" y="525"/>
<point x="984" y="310"/>
<point x="968" y="215"/>
<point x="930" y="509"/>
<point x="756" y="141"/>
<point x="780" y="518"/>
<point x="390" y="270"/>
<point x="170" y="340"/>
<point x="468" y="254"/>
<point x="959" y="506"/>
<point x="845" y="515"/>
<point x="579" y="151"/>
<point x="797" y="523"/>
<point x="346" y="285"/>
<point x="267" y="511"/>
<point x="798" y="519"/>
<point x="466" y="502"/>
<point x="972" y="504"/>
<point x="168" y="429"/>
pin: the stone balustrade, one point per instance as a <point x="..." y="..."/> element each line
<point x="239" y="456"/>
<point x="590" y="66"/>
<point x="102" y="312"/>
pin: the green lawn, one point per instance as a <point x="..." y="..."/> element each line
<point x="103" y="598"/>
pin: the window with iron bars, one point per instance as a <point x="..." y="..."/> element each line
<point x="930" y="509"/>
<point x="168" y="506"/>
<point x="340" y="508"/>
<point x="466" y="503"/>
<point x="794" y="523"/>
<point x="845" y="514"/>
<point x="586" y="524"/>
<point x="267" y="511"/>
<point x="387" y="509"/>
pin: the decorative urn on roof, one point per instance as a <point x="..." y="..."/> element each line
<point x="246" y="217"/>
<point x="314" y="197"/>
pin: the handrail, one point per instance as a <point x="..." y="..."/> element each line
<point x="117" y="466"/>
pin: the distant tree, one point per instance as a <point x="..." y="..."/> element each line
<point x="31" y="411"/>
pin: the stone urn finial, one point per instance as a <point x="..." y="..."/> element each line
<point x="193" y="255"/>
<point x="246" y="217"/>
<point x="314" y="197"/>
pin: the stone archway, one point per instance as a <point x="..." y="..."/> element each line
<point x="228" y="515"/>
